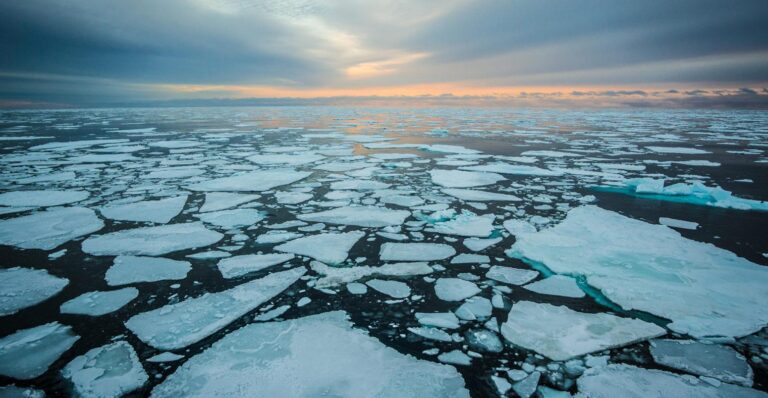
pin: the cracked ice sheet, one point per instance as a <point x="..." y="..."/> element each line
<point x="157" y="211"/>
<point x="48" y="229"/>
<point x="619" y="380"/>
<point x="653" y="268"/>
<point x="24" y="287"/>
<point x="307" y="357"/>
<point x="151" y="241"/>
<point x="99" y="303"/>
<point x="463" y="179"/>
<point x="260" y="180"/>
<point x="111" y="370"/>
<point x="28" y="353"/>
<point x="332" y="248"/>
<point x="362" y="216"/>
<point x="560" y="333"/>
<point x="178" y="325"/>
<point x="38" y="198"/>
<point x="333" y="276"/>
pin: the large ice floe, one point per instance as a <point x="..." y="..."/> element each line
<point x="561" y="333"/>
<point x="362" y="216"/>
<point x="254" y="181"/>
<point x="233" y="267"/>
<point x="49" y="229"/>
<point x="319" y="355"/>
<point x="152" y="241"/>
<point x="38" y="198"/>
<point x="112" y="370"/>
<point x="463" y="179"/>
<point x="131" y="269"/>
<point x="28" y="353"/>
<point x="157" y="211"/>
<point x="619" y="380"/>
<point x="652" y="268"/>
<point x="709" y="360"/>
<point x="99" y="302"/>
<point x="415" y="251"/>
<point x="178" y="325"/>
<point x="24" y="287"/>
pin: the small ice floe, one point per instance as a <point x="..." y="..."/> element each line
<point x="446" y="320"/>
<point x="230" y="219"/>
<point x="215" y="201"/>
<point x="557" y="285"/>
<point x="510" y="275"/>
<point x="394" y="289"/>
<point x="463" y="179"/>
<point x="132" y="269"/>
<point x="710" y="360"/>
<point x="157" y="211"/>
<point x="315" y="355"/>
<point x="333" y="276"/>
<point x="41" y="198"/>
<point x="677" y="150"/>
<point x="99" y="303"/>
<point x="151" y="241"/>
<point x="24" y="287"/>
<point x="730" y="292"/>
<point x="415" y="251"/>
<point x="48" y="229"/>
<point x="473" y="195"/>
<point x="455" y="289"/>
<point x="476" y="244"/>
<point x="28" y="353"/>
<point x="112" y="370"/>
<point x="466" y="224"/>
<point x="506" y="168"/>
<point x="675" y="223"/>
<point x="164" y="357"/>
<point x="254" y="181"/>
<point x="236" y="266"/>
<point x="331" y="248"/>
<point x="292" y="198"/>
<point x="560" y="333"/>
<point x="362" y="216"/>
<point x="178" y="325"/>
<point x="616" y="380"/>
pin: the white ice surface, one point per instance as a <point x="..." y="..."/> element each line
<point x="178" y="325"/>
<point x="132" y="269"/>
<point x="224" y="200"/>
<point x="513" y="276"/>
<point x="28" y="353"/>
<point x="109" y="371"/>
<point x="331" y="248"/>
<point x="48" y="229"/>
<point x="254" y="181"/>
<point x="415" y="251"/>
<point x="233" y="267"/>
<point x="474" y="195"/>
<point x="711" y="360"/>
<point x="24" y="287"/>
<point x="38" y="198"/>
<point x="152" y="241"/>
<point x="157" y="211"/>
<point x="557" y="285"/>
<point x="362" y="216"/>
<point x="463" y="179"/>
<point x="98" y="303"/>
<point x="455" y="289"/>
<point x="394" y="289"/>
<point x="229" y="219"/>
<point x="333" y="276"/>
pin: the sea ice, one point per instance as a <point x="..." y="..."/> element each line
<point x="694" y="193"/>
<point x="156" y="211"/>
<point x="710" y="360"/>
<point x="513" y="276"/>
<point x="652" y="268"/>
<point x="331" y="248"/>
<point x="28" y="353"/>
<point x="466" y="224"/>
<point x="215" y="201"/>
<point x="362" y="216"/>
<point x="41" y="198"/>
<point x="230" y="219"/>
<point x="557" y="285"/>
<point x="677" y="150"/>
<point x="455" y="289"/>
<point x="560" y="333"/>
<point x="260" y="180"/>
<point x="24" y="287"/>
<point x="98" y="303"/>
<point x="112" y="370"/>
<point x="394" y="289"/>
<point x="463" y="179"/>
<point x="308" y="357"/>
<point x="620" y="380"/>
<point x="292" y="198"/>
<point x="415" y="251"/>
<point x="152" y="241"/>
<point x="132" y="269"/>
<point x="473" y="195"/>
<point x="236" y="266"/>
<point x="447" y="320"/>
<point x="455" y="357"/>
<point x="48" y="229"/>
<point x="178" y="325"/>
<point x="333" y="276"/>
<point x="284" y="158"/>
<point x="506" y="168"/>
<point x="477" y="245"/>
<point x="675" y="223"/>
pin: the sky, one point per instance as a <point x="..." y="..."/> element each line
<point x="637" y="53"/>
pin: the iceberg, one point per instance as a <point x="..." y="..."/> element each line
<point x="254" y="181"/>
<point x="308" y="357"/>
<point x="99" y="303"/>
<point x="652" y="268"/>
<point x="560" y="333"/>
<point x="151" y="241"/>
<point x="361" y="216"/>
<point x="48" y="229"/>
<point x="24" y="287"/>
<point x="178" y="325"/>
<point x="132" y="269"/>
<point x="156" y="211"/>
<point x="112" y="370"/>
<point x="331" y="248"/>
<point x="28" y="353"/>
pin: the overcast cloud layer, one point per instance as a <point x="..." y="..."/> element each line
<point x="88" y="52"/>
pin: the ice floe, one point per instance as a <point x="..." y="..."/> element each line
<point x="333" y="276"/>
<point x="415" y="251"/>
<point x="49" y="229"/>
<point x="474" y="195"/>
<point x="510" y="275"/>
<point x="306" y="357"/>
<point x="24" y="287"/>
<point x="132" y="269"/>
<point x="236" y="266"/>
<point x="254" y="181"/>
<point x="151" y="241"/>
<point x="37" y="198"/>
<point x="455" y="289"/>
<point x="234" y="218"/>
<point x="557" y="285"/>
<point x="98" y="303"/>
<point x="215" y="201"/>
<point x="331" y="248"/>
<point x="157" y="211"/>
<point x="28" y="353"/>
<point x="613" y="253"/>
<point x="178" y="325"/>
<point x="463" y="179"/>
<point x="710" y="360"/>
<point x="363" y="216"/>
<point x="108" y="371"/>
<point x="560" y="333"/>
<point x="394" y="289"/>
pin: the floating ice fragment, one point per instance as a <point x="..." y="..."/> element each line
<point x="24" y="287"/>
<point x="455" y="357"/>
<point x="234" y="218"/>
<point x="463" y="179"/>
<point x="710" y="360"/>
<point x="480" y="196"/>
<point x="98" y="303"/>
<point x="236" y="266"/>
<point x="108" y="371"/>
<point x="506" y="168"/>
<point x="28" y="353"/>
<point x="215" y="201"/>
<point x="415" y="251"/>
<point x="156" y="211"/>
<point x="466" y="224"/>
<point x="48" y="229"/>
<point x="332" y="248"/>
<point x="431" y="333"/>
<point x="152" y="241"/>
<point x="362" y="216"/>
<point x="260" y="180"/>
<point x="557" y="285"/>
<point x="446" y="320"/>
<point x="394" y="289"/>
<point x="476" y="244"/>
<point x="178" y="325"/>
<point x="677" y="150"/>
<point x="333" y="276"/>
<point x="513" y="276"/>
<point x="675" y="223"/>
<point x="454" y="289"/>
<point x="132" y="269"/>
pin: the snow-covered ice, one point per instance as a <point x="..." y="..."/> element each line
<point x="112" y="370"/>
<point x="331" y="248"/>
<point x="415" y="251"/>
<point x="455" y="289"/>
<point x="233" y="267"/>
<point x="234" y="218"/>
<point x="28" y="353"/>
<point x="710" y="360"/>
<point x="561" y="333"/>
<point x="157" y="211"/>
<point x="178" y="325"/>
<point x="37" y="198"/>
<point x="362" y="216"/>
<point x="394" y="289"/>
<point x="24" y="287"/>
<point x="49" y="229"/>
<point x="132" y="269"/>
<point x="474" y="195"/>
<point x="215" y="201"/>
<point x="557" y="285"/>
<point x="254" y="181"/>
<point x="513" y="276"/>
<point x="463" y="179"/>
<point x="152" y="241"/>
<point x="98" y="303"/>
<point x="307" y="357"/>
